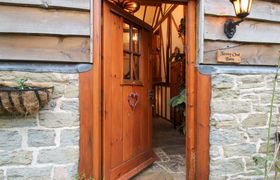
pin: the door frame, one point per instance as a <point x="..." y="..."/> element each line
<point x="198" y="89"/>
<point x="198" y="100"/>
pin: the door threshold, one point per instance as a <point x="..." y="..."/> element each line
<point x="140" y="167"/>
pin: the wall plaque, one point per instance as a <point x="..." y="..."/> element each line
<point x="228" y="57"/>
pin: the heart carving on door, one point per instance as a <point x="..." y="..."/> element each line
<point x="133" y="100"/>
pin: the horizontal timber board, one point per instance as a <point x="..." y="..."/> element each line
<point x="247" y="31"/>
<point x="73" y="4"/>
<point x="251" y="54"/>
<point x="276" y="1"/>
<point x="261" y="10"/>
<point x="44" y="48"/>
<point x="15" y="19"/>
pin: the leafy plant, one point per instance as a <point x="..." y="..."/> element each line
<point x="179" y="103"/>
<point x="271" y="159"/>
<point x="21" y="84"/>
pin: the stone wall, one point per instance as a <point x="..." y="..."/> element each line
<point x="239" y="124"/>
<point x="45" y="146"/>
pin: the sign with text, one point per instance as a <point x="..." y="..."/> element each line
<point x="228" y="57"/>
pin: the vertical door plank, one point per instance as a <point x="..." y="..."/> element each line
<point x="107" y="50"/>
<point x="149" y="84"/>
<point x="117" y="123"/>
<point x="127" y="125"/>
<point x="144" y="76"/>
<point x="138" y="115"/>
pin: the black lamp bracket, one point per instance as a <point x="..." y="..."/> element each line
<point x="230" y="27"/>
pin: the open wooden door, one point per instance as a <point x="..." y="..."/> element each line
<point x="127" y="112"/>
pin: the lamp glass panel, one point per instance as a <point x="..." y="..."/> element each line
<point x="236" y="7"/>
<point x="250" y="5"/>
<point x="244" y="6"/>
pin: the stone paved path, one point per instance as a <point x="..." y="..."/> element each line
<point x="170" y="148"/>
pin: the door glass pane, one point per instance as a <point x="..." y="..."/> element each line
<point x="136" y="68"/>
<point x="135" y="40"/>
<point x="126" y="66"/>
<point x="126" y="36"/>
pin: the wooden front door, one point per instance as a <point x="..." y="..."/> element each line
<point x="127" y="113"/>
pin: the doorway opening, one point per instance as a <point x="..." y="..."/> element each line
<point x="143" y="75"/>
<point x="168" y="82"/>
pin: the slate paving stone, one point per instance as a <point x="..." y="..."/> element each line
<point x="161" y="175"/>
<point x="177" y="150"/>
<point x="173" y="166"/>
<point x="179" y="176"/>
<point x="170" y="148"/>
<point x="163" y="156"/>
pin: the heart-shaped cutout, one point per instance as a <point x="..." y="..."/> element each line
<point x="133" y="100"/>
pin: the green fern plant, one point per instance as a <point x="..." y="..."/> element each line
<point x="179" y="103"/>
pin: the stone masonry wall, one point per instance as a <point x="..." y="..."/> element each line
<point x="239" y="124"/>
<point x="45" y="146"/>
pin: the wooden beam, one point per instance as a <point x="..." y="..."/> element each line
<point x="86" y="125"/>
<point x="154" y="18"/>
<point x="165" y="17"/>
<point x="97" y="93"/>
<point x="203" y="99"/>
<point x="145" y="11"/>
<point x="191" y="79"/>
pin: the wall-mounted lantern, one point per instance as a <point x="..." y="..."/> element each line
<point x="242" y="9"/>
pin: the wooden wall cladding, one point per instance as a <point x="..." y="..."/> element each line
<point x="257" y="38"/>
<point x="247" y="31"/>
<point x="40" y="48"/>
<point x="252" y="54"/>
<point x="73" y="4"/>
<point x="41" y="21"/>
<point x="261" y="10"/>
<point x="58" y="31"/>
